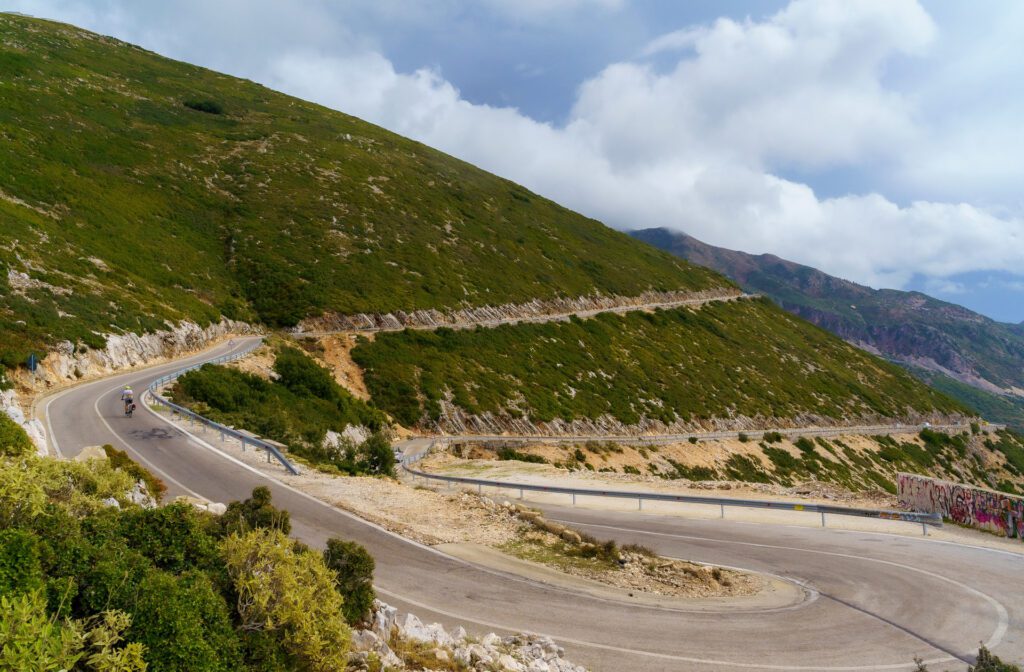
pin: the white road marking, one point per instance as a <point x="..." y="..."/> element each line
<point x="150" y="465"/>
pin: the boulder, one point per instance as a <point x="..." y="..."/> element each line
<point x="91" y="453"/>
<point x="217" y="508"/>
<point x="383" y="619"/>
<point x="571" y="537"/>
<point x="414" y="629"/>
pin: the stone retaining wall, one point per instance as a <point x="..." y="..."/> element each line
<point x="996" y="512"/>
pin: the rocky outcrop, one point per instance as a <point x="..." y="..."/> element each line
<point x="9" y="405"/>
<point x="534" y="311"/>
<point x="355" y="435"/>
<point x="387" y="636"/>
<point x="455" y="421"/>
<point x="124" y="351"/>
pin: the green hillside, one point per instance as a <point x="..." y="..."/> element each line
<point x="1001" y="408"/>
<point x="909" y="327"/>
<point x="135" y="189"/>
<point x="727" y="359"/>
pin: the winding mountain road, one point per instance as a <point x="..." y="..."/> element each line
<point x="873" y="601"/>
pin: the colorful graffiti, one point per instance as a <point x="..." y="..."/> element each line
<point x="974" y="507"/>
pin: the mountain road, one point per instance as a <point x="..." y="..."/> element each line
<point x="872" y="602"/>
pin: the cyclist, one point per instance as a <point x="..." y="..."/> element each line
<point x="128" y="397"/>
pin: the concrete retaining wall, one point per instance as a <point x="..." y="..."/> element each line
<point x="996" y="512"/>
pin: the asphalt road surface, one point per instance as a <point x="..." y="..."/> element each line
<point x="874" y="601"/>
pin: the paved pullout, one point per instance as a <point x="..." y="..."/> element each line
<point x="875" y="601"/>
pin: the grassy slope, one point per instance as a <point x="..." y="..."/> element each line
<point x="745" y="358"/>
<point x="149" y="210"/>
<point x="908" y="326"/>
<point x="856" y="463"/>
<point x="999" y="408"/>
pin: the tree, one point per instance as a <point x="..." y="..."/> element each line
<point x="290" y="593"/>
<point x="377" y="456"/>
<point x="255" y="513"/>
<point x="353" y="568"/>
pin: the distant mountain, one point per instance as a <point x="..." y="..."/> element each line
<point x="909" y="327"/>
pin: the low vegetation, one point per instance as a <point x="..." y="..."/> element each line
<point x="298" y="408"/>
<point x="91" y="582"/>
<point x="727" y="359"/>
<point x="856" y="464"/>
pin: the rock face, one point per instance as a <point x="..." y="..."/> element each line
<point x="34" y="428"/>
<point x="512" y="312"/>
<point x="454" y="420"/>
<point x="124" y="351"/>
<point x="518" y="653"/>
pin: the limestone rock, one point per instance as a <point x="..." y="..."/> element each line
<point x="91" y="453"/>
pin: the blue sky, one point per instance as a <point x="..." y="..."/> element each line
<point x="878" y="140"/>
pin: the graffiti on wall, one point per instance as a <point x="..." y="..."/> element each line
<point x="975" y="507"/>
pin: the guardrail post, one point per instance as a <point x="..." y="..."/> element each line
<point x="924" y="528"/>
<point x="520" y="493"/>
<point x="479" y="488"/>
<point x="639" y="504"/>
<point x="723" y="511"/>
<point x="823" y="519"/>
<point x="574" y="499"/>
<point x="243" y="444"/>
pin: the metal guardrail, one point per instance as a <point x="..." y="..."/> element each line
<point x="225" y="431"/>
<point x="924" y="519"/>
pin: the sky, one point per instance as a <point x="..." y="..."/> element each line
<point x="877" y="140"/>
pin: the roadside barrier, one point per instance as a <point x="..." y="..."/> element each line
<point x="925" y="519"/>
<point x="225" y="432"/>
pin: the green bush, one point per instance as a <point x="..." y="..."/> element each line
<point x="772" y="437"/>
<point x="20" y="568"/>
<point x="208" y="106"/>
<point x="507" y="453"/>
<point x="14" y="441"/>
<point x="174" y="537"/>
<point x="353" y="568"/>
<point x="120" y="460"/>
<point x="804" y="445"/>
<point x="255" y="513"/>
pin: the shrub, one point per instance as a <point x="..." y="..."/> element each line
<point x="692" y="439"/>
<point x="183" y="622"/>
<point x="507" y="453"/>
<point x="377" y="456"/>
<point x="14" y="442"/>
<point x="20" y="570"/>
<point x="31" y="640"/>
<point x="255" y="513"/>
<point x="743" y="438"/>
<point x="804" y="445"/>
<point x="207" y="106"/>
<point x="353" y="567"/>
<point x="174" y="537"/>
<point x="772" y="437"/>
<point x="290" y="593"/>
<point x="120" y="460"/>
